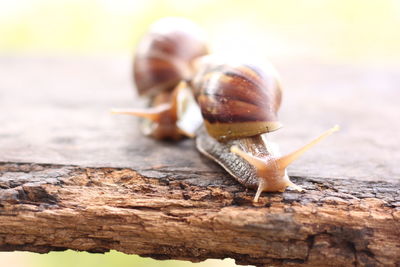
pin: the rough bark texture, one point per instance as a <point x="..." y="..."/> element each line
<point x="334" y="222"/>
<point x="73" y="177"/>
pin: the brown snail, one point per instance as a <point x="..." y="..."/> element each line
<point x="162" y="63"/>
<point x="239" y="104"/>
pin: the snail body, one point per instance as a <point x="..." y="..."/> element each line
<point x="162" y="63"/>
<point x="244" y="172"/>
<point x="239" y="104"/>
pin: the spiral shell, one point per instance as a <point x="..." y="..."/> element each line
<point x="165" y="54"/>
<point x="237" y="100"/>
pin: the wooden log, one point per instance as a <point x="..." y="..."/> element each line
<point x="74" y="177"/>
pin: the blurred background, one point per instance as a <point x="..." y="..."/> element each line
<point x="355" y="32"/>
<point x="350" y="31"/>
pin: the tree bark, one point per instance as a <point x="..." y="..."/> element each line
<point x="334" y="222"/>
<point x="74" y="177"/>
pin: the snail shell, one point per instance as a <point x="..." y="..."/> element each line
<point x="237" y="100"/>
<point x="165" y="55"/>
<point x="163" y="61"/>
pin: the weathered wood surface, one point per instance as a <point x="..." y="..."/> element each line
<point x="73" y="176"/>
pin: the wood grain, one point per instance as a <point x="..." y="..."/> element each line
<point x="73" y="176"/>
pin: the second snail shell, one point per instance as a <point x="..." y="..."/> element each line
<point x="165" y="55"/>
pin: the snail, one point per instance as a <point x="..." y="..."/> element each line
<point x="239" y="104"/>
<point x="164" y="60"/>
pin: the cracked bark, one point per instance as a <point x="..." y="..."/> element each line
<point x="87" y="181"/>
<point x="55" y="207"/>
